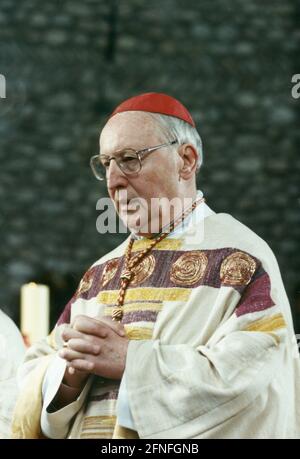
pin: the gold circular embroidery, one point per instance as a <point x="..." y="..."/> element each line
<point x="109" y="271"/>
<point x="143" y="270"/>
<point x="189" y="268"/>
<point x="85" y="283"/>
<point x="237" y="269"/>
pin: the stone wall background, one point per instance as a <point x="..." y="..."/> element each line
<point x="68" y="63"/>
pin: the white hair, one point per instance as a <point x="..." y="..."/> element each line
<point x="175" y="128"/>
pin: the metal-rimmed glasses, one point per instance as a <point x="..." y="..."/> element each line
<point x="128" y="160"/>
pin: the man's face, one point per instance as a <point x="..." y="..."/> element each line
<point x="158" y="177"/>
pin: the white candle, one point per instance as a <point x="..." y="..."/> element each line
<point x="34" y="311"/>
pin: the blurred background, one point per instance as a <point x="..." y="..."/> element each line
<point x="67" y="64"/>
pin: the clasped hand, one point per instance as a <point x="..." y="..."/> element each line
<point x="97" y="346"/>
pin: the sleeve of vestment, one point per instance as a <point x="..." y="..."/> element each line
<point x="56" y="423"/>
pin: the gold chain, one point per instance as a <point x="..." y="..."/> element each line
<point x="131" y="262"/>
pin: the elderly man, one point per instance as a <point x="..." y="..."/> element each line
<point x="184" y="330"/>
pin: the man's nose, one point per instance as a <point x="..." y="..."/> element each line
<point x="114" y="175"/>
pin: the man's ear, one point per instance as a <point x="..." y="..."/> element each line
<point x="189" y="158"/>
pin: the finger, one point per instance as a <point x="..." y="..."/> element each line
<point x="82" y="345"/>
<point x="70" y="333"/>
<point x="72" y="370"/>
<point x="82" y="365"/>
<point x="80" y="319"/>
<point x="90" y="326"/>
<point x="79" y="316"/>
<point x="115" y="326"/>
<point x="69" y="354"/>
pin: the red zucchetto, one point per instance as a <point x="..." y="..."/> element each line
<point x="155" y="102"/>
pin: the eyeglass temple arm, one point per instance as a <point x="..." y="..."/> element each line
<point x="149" y="150"/>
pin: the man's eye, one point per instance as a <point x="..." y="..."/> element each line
<point x="127" y="159"/>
